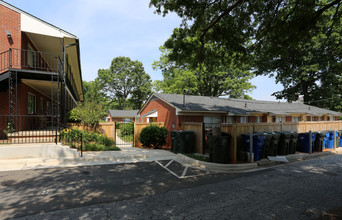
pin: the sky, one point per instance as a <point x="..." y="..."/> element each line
<point x="112" y="28"/>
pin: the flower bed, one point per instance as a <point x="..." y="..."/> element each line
<point x="91" y="141"/>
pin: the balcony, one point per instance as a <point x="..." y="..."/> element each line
<point x="30" y="61"/>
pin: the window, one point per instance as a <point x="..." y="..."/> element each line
<point x="280" y="119"/>
<point x="295" y="119"/>
<point x="41" y="106"/>
<point x="126" y="120"/>
<point x="229" y="119"/>
<point x="31" y="107"/>
<point x="152" y="119"/>
<point x="258" y="119"/>
<point x="243" y="119"/>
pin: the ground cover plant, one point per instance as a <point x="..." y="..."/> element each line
<point x="91" y="141"/>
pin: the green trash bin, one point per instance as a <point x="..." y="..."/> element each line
<point x="175" y="141"/>
<point x="320" y="139"/>
<point x="219" y="148"/>
<point x="187" y="141"/>
<point x="267" y="143"/>
<point x="273" y="148"/>
<point x="293" y="143"/>
<point x="284" y="142"/>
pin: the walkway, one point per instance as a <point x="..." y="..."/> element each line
<point x="129" y="155"/>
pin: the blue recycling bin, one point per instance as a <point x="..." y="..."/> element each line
<point x="340" y="134"/>
<point x="258" y="142"/>
<point x="304" y="142"/>
<point x="329" y="143"/>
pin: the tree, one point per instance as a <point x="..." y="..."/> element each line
<point x="126" y="79"/>
<point x="88" y="112"/>
<point x="206" y="79"/>
<point x="272" y="33"/>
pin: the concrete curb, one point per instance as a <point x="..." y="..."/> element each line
<point x="216" y="167"/>
<point x="297" y="157"/>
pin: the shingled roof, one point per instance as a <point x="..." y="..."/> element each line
<point x="123" y="113"/>
<point x="238" y="106"/>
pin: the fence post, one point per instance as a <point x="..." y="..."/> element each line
<point x="251" y="159"/>
<point x="310" y="142"/>
<point x="81" y="145"/>
<point x="133" y="135"/>
<point x="10" y="58"/>
<point x="203" y="138"/>
<point x="115" y="132"/>
<point x="335" y="139"/>
<point x="234" y="160"/>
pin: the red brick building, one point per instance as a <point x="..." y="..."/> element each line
<point x="40" y="72"/>
<point x="174" y="109"/>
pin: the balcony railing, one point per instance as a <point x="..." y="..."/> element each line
<point x="30" y="60"/>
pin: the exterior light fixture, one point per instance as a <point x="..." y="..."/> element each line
<point x="9" y="35"/>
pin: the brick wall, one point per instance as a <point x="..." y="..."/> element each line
<point x="9" y="21"/>
<point x="26" y="120"/>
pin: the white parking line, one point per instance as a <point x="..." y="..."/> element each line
<point x="183" y="176"/>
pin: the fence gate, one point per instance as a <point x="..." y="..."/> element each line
<point x="124" y="134"/>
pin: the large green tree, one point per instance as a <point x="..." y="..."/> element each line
<point x="295" y="40"/>
<point x="208" y="80"/>
<point x="126" y="81"/>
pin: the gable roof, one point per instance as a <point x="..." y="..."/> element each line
<point x="123" y="113"/>
<point x="238" y="106"/>
<point x="33" y="24"/>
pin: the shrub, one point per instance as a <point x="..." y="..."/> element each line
<point x="104" y="140"/>
<point x="127" y="129"/>
<point x="153" y="136"/>
<point x="93" y="141"/>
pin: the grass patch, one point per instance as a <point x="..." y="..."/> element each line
<point x="198" y="157"/>
<point x="125" y="138"/>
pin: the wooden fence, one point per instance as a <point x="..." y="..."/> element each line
<point x="107" y="128"/>
<point x="198" y="129"/>
<point x="235" y="130"/>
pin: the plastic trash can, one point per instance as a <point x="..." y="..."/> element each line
<point x="284" y="142"/>
<point x="175" y="141"/>
<point x="187" y="141"/>
<point x="258" y="142"/>
<point x="219" y="148"/>
<point x="273" y="148"/>
<point x="293" y="143"/>
<point x="304" y="142"/>
<point x="267" y="143"/>
<point x="319" y="144"/>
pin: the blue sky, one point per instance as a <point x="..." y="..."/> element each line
<point x="112" y="28"/>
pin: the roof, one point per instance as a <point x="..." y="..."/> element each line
<point x="50" y="38"/>
<point x="29" y="18"/>
<point x="123" y="113"/>
<point x="238" y="106"/>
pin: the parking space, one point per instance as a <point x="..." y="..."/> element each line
<point x="181" y="171"/>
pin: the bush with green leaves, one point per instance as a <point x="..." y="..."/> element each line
<point x="93" y="141"/>
<point x="153" y="136"/>
<point x="127" y="129"/>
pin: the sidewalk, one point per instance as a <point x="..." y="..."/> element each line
<point x="133" y="155"/>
